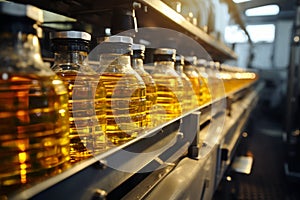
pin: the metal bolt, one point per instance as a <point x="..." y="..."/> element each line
<point x="180" y="135"/>
<point x="99" y="195"/>
<point x="245" y="134"/>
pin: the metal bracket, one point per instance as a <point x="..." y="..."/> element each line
<point x="190" y="127"/>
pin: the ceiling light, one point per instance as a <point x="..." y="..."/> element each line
<point x="261" y="33"/>
<point x="263" y="10"/>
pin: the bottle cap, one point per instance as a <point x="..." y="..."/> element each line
<point x="217" y="65"/>
<point x="116" y="44"/>
<point x="138" y="47"/>
<point x="180" y="59"/>
<point x="192" y="60"/>
<point x="119" y="39"/>
<point x="164" y="54"/>
<point x="202" y="62"/>
<point x="165" y="51"/>
<point x="70" y="41"/>
<point x="70" y="35"/>
<point x="138" y="51"/>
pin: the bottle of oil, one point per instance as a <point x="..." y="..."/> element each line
<point x="86" y="93"/>
<point x="192" y="73"/>
<point x="229" y="79"/>
<point x="217" y="80"/>
<point x="151" y="95"/>
<point x="168" y="83"/>
<point x="34" y="125"/>
<point x="202" y="70"/>
<point x="189" y="101"/>
<point x="239" y="78"/>
<point x="125" y="90"/>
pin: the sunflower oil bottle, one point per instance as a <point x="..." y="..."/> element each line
<point x="240" y="77"/>
<point x="189" y="100"/>
<point x="151" y="93"/>
<point x="125" y="90"/>
<point x="219" y="80"/>
<point x="197" y="83"/>
<point x="169" y="85"/>
<point x="202" y="70"/>
<point x="34" y="140"/>
<point x="86" y="93"/>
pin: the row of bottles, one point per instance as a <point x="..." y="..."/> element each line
<point x="34" y="139"/>
<point x="74" y="110"/>
<point x="235" y="78"/>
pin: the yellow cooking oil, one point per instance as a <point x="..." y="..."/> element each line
<point x="168" y="83"/>
<point x="34" y="127"/>
<point x="151" y="93"/>
<point x="189" y="100"/>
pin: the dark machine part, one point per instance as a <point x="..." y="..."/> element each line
<point x="123" y="19"/>
<point x="292" y="165"/>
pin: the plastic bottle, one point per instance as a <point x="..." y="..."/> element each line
<point x="125" y="90"/>
<point x="189" y="101"/>
<point x="202" y="70"/>
<point x="168" y="83"/>
<point x="34" y="117"/>
<point x="151" y="93"/>
<point x="192" y="73"/>
<point x="86" y="93"/>
<point x="218" y="80"/>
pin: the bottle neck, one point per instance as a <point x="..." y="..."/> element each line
<point x="115" y="60"/>
<point x="179" y="68"/>
<point x="73" y="57"/>
<point x="137" y="63"/>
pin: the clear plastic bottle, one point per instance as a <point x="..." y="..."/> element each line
<point x="192" y="73"/>
<point x="230" y="81"/>
<point x="189" y="101"/>
<point x="217" y="80"/>
<point x="34" y="117"/>
<point x="125" y="90"/>
<point x="151" y="94"/>
<point x="202" y="70"/>
<point x="86" y="93"/>
<point x="240" y="78"/>
<point x="168" y="83"/>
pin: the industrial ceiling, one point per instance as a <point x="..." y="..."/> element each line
<point x="287" y="10"/>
